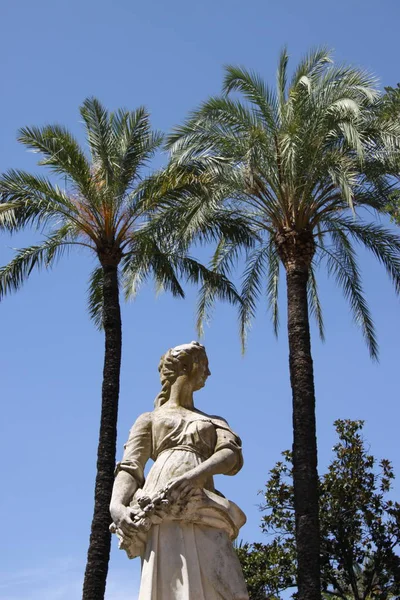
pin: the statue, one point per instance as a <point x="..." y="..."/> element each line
<point x="174" y="519"/>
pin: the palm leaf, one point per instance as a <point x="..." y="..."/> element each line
<point x="13" y="275"/>
<point x="35" y="198"/>
<point x="100" y="137"/>
<point x="38" y="202"/>
<point x="281" y="82"/>
<point x="251" y="289"/>
<point x="148" y="254"/>
<point x="135" y="272"/>
<point x="314" y="302"/>
<point x="311" y="66"/>
<point x="254" y="90"/>
<point x="7" y="215"/>
<point x="223" y="260"/>
<point x="383" y="243"/>
<point x="136" y="144"/>
<point x="273" y="285"/>
<point x="95" y="298"/>
<point x="62" y="153"/>
<point x="342" y="264"/>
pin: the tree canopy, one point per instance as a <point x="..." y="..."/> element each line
<point x="359" y="520"/>
<point x="103" y="204"/>
<point x="391" y="110"/>
<point x="295" y="160"/>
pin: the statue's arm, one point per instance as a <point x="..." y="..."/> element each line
<point x="124" y="488"/>
<point x="130" y="471"/>
<point x="228" y="439"/>
<point x="226" y="460"/>
<point x="221" y="462"/>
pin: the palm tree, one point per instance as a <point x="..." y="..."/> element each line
<point x="104" y="207"/>
<point x="297" y="164"/>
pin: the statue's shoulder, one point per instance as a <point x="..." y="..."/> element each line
<point x="221" y="423"/>
<point x="220" y="420"/>
<point x="143" y="420"/>
<point x="216" y="419"/>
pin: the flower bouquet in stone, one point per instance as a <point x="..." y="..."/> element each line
<point x="147" y="511"/>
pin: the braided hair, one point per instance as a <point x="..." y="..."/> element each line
<point x="175" y="362"/>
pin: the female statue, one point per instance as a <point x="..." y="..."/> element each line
<point x="175" y="519"/>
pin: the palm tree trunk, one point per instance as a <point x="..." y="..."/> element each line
<point x="100" y="538"/>
<point x="305" y="475"/>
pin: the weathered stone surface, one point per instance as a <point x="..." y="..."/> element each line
<point x="175" y="520"/>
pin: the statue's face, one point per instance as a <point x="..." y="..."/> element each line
<point x="200" y="373"/>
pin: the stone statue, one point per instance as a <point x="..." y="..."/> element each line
<point x="174" y="519"/>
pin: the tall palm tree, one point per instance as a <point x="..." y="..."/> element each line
<point x="298" y="164"/>
<point x="104" y="207"/>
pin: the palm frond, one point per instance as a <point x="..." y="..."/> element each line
<point x="195" y="272"/>
<point x="148" y="254"/>
<point x="314" y="302"/>
<point x="214" y="286"/>
<point x="164" y="271"/>
<point x="251" y="289"/>
<point x="95" y="298"/>
<point x="13" y="275"/>
<point x="311" y="66"/>
<point x="7" y="215"/>
<point x="273" y="285"/>
<point x="205" y="306"/>
<point x="254" y="89"/>
<point x="136" y="144"/>
<point x="36" y="199"/>
<point x="341" y="263"/>
<point x="189" y="212"/>
<point x="281" y="82"/>
<point x="100" y="137"/>
<point x="231" y="113"/>
<point x="383" y="243"/>
<point x="62" y="153"/>
<point x="225" y="257"/>
<point x="135" y="269"/>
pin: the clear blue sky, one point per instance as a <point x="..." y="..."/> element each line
<point x="168" y="56"/>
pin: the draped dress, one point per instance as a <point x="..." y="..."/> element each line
<point x="188" y="554"/>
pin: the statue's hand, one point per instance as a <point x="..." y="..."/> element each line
<point x="186" y="485"/>
<point x="121" y="515"/>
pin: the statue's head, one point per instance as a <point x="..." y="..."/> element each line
<point x="187" y="360"/>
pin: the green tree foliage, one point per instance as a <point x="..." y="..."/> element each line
<point x="391" y="101"/>
<point x="301" y="163"/>
<point x="301" y="158"/>
<point x="360" y="527"/>
<point x="391" y="110"/>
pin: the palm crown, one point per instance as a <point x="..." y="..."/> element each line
<point x="298" y="163"/>
<point x="104" y="206"/>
